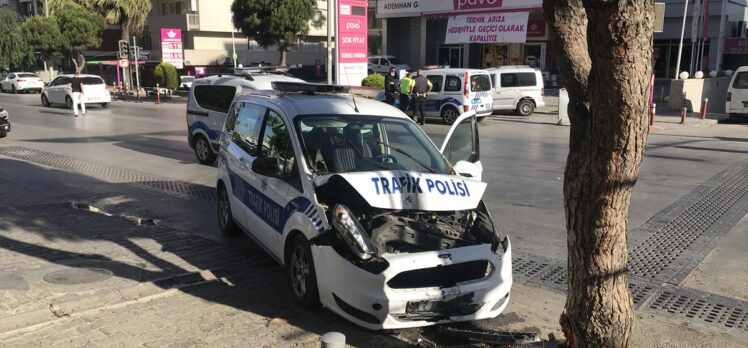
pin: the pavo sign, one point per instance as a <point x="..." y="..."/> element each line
<point x="171" y="47"/>
<point x="352" y="41"/>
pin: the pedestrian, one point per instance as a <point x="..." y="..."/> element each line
<point x="422" y="86"/>
<point x="78" y="94"/>
<point x="390" y="86"/>
<point x="406" y="89"/>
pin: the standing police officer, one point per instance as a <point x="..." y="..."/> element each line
<point x="420" y="89"/>
<point x="390" y="86"/>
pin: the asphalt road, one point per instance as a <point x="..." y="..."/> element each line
<point x="523" y="158"/>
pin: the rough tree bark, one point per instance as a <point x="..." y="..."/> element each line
<point x="283" y="56"/>
<point x="603" y="51"/>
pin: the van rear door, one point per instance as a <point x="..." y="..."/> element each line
<point x="737" y="94"/>
<point x="479" y="95"/>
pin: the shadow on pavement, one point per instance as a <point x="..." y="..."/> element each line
<point x="41" y="225"/>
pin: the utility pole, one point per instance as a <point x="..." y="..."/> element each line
<point x="233" y="49"/>
<point x="330" y="14"/>
<point x="680" y="46"/>
<point x="720" y="47"/>
<point x="137" y="56"/>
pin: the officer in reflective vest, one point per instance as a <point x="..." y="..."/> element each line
<point x="421" y="88"/>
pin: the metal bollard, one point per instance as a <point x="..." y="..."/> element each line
<point x="333" y="340"/>
<point x="158" y="94"/>
<point x="652" y="114"/>
<point x="683" y="115"/>
<point x="704" y="105"/>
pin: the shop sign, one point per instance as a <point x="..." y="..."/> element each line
<point x="737" y="45"/>
<point x="405" y="8"/>
<point x="171" y="47"/>
<point x="508" y="27"/>
<point x="536" y="27"/>
<point x="352" y="42"/>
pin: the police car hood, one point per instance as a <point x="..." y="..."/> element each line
<point x="405" y="190"/>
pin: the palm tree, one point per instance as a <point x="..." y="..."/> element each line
<point x="129" y="14"/>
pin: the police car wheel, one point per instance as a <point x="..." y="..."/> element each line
<point x="301" y="273"/>
<point x="525" y="107"/>
<point x="225" y="217"/>
<point x="203" y="152"/>
<point x="450" y="114"/>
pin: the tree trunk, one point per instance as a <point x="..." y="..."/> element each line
<point x="603" y="50"/>
<point x="283" y="56"/>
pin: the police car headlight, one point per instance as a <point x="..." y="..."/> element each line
<point x="351" y="231"/>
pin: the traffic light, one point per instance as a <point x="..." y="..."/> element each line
<point x="124" y="48"/>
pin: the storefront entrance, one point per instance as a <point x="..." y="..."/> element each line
<point x="452" y="55"/>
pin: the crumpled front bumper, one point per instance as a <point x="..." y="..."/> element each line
<point x="367" y="299"/>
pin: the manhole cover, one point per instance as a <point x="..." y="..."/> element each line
<point x="73" y="276"/>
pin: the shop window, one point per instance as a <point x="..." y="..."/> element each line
<point x="453" y="84"/>
<point x="436" y="81"/>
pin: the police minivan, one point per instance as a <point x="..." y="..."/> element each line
<point x="208" y="102"/>
<point x="456" y="91"/>
<point x="368" y="217"/>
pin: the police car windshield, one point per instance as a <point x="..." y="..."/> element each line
<point x="354" y="143"/>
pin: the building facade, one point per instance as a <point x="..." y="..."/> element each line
<point x="207" y="35"/>
<point x="416" y="32"/>
<point x="712" y="39"/>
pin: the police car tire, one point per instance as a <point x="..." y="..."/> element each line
<point x="208" y="157"/>
<point x="69" y="102"/>
<point x="450" y="114"/>
<point x="45" y="101"/>
<point x="228" y="226"/>
<point x="298" y="249"/>
<point x="525" y="107"/>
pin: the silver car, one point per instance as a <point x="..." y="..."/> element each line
<point x="94" y="91"/>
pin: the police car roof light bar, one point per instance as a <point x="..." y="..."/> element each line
<point x="308" y="88"/>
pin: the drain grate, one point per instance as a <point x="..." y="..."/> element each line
<point x="695" y="305"/>
<point x="141" y="180"/>
<point x="528" y="266"/>
<point x="641" y="292"/>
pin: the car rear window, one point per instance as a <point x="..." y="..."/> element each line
<point x="741" y="80"/>
<point x="26" y="75"/>
<point x="480" y="83"/>
<point x="90" y="80"/>
<point x="215" y="98"/>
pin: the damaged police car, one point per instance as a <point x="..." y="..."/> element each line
<point x="367" y="215"/>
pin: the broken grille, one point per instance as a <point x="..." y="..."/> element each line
<point x="442" y="276"/>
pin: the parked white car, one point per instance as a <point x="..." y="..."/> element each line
<point x="737" y="94"/>
<point x="58" y="91"/>
<point x="21" y="82"/>
<point x="382" y="64"/>
<point x="517" y="87"/>
<point x="367" y="215"/>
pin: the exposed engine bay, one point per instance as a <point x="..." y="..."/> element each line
<point x="398" y="231"/>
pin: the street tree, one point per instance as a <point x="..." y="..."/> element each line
<point x="130" y="15"/>
<point x="280" y="23"/>
<point x="14" y="51"/>
<point x="42" y="35"/>
<point x="603" y="51"/>
<point x="81" y="30"/>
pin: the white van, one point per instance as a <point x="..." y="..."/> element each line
<point x="208" y="103"/>
<point x="456" y="91"/>
<point x="517" y="87"/>
<point x="737" y="94"/>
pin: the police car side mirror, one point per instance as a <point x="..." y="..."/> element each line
<point x="267" y="166"/>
